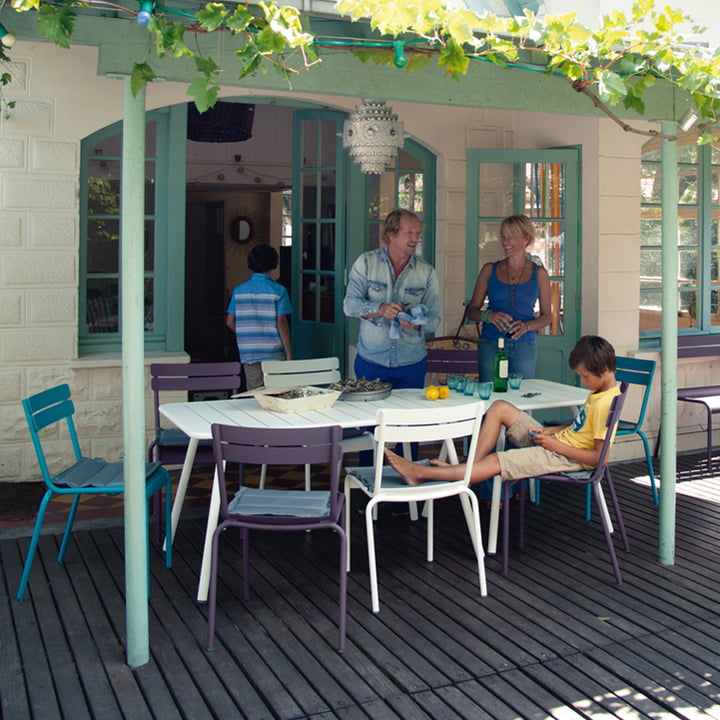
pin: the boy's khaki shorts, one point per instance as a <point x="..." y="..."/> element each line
<point x="528" y="460"/>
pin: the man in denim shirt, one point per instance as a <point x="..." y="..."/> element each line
<point x="397" y="296"/>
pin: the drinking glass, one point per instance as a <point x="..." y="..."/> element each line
<point x="460" y="383"/>
<point x="514" y="380"/>
<point x="470" y="386"/>
<point x="485" y="390"/>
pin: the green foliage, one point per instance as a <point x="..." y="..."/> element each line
<point x="56" y="24"/>
<point x="141" y="75"/>
<point x="613" y="64"/>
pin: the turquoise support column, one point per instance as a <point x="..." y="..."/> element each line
<point x="668" y="439"/>
<point x="132" y="223"/>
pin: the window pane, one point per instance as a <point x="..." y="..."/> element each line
<point x="688" y="267"/>
<point x="150" y="188"/>
<point x="650" y="309"/>
<point x="549" y="246"/>
<point x="103" y="246"/>
<point x="650" y="267"/>
<point x="688" y="230"/>
<point x="327" y="299"/>
<point x="310" y="246"/>
<point x="102" y="306"/>
<point x="687" y="313"/>
<point x="498" y="185"/>
<point x="651" y="230"/>
<point x="149" y="305"/>
<point x="714" y="310"/>
<point x="149" y="246"/>
<point x="651" y="183"/>
<point x="544" y="185"/>
<point x="687" y="185"/>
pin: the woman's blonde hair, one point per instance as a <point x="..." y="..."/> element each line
<point x="520" y="223"/>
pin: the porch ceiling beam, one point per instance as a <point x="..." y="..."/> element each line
<point x="340" y="73"/>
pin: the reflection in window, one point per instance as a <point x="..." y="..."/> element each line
<point x="698" y="249"/>
<point x="101" y="231"/>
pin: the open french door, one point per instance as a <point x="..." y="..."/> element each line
<point x="545" y="186"/>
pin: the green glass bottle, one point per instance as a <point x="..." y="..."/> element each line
<point x="500" y="368"/>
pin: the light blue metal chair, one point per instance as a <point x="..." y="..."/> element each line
<point x="634" y="371"/>
<point x="87" y="476"/>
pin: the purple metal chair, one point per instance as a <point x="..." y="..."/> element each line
<point x="593" y="479"/>
<point x="170" y="444"/>
<point x="260" y="509"/>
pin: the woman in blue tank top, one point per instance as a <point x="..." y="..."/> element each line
<point x="512" y="287"/>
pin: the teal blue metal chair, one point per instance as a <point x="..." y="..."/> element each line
<point x="634" y="371"/>
<point x="87" y="476"/>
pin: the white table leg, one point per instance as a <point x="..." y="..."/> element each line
<point x="182" y="485"/>
<point x="495" y="502"/>
<point x="212" y="523"/>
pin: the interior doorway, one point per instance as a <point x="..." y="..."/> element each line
<point x="234" y="201"/>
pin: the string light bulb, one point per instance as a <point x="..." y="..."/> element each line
<point x="145" y="12"/>
<point x="400" y="59"/>
<point x="7" y="39"/>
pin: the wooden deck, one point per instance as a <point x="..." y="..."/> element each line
<point x="555" y="638"/>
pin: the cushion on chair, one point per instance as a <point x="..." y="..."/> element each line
<point x="171" y="436"/>
<point x="626" y="426"/>
<point x="280" y="503"/>
<point x="95" y="472"/>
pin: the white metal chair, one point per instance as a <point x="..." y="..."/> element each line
<point x="382" y="484"/>
<point x="316" y="371"/>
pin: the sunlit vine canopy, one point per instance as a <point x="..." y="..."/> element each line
<point x="613" y="64"/>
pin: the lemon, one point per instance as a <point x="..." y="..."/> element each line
<point x="431" y="392"/>
<point x="443" y="392"/>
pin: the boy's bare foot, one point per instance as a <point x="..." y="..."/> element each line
<point x="404" y="467"/>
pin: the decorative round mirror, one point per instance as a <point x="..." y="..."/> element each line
<point x="242" y="230"/>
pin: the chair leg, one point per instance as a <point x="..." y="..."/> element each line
<point x="33" y="544"/>
<point x="245" y="534"/>
<point x="651" y="470"/>
<point x="168" y="522"/>
<point x="588" y="503"/>
<point x="430" y="507"/>
<point x="471" y="509"/>
<point x="348" y="513"/>
<point x="616" y="509"/>
<point x="506" y="526"/>
<point x="597" y="491"/>
<point x="342" y="588"/>
<point x="68" y="528"/>
<point x="212" y="592"/>
<point x="372" y="565"/>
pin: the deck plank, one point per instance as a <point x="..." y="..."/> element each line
<point x="555" y="638"/>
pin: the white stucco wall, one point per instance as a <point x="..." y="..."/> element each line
<point x="60" y="100"/>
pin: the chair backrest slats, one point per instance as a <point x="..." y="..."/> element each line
<point x="192" y="376"/>
<point x="44" y="409"/>
<point x="637" y="371"/>
<point x="276" y="446"/>
<point x="289" y="373"/>
<point x="611" y="423"/>
<point x="436" y="424"/>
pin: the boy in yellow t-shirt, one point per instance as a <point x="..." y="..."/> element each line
<point x="538" y="450"/>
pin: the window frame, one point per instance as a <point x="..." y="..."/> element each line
<point x="704" y="207"/>
<point x="168" y="269"/>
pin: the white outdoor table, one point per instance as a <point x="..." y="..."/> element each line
<point x="196" y="418"/>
